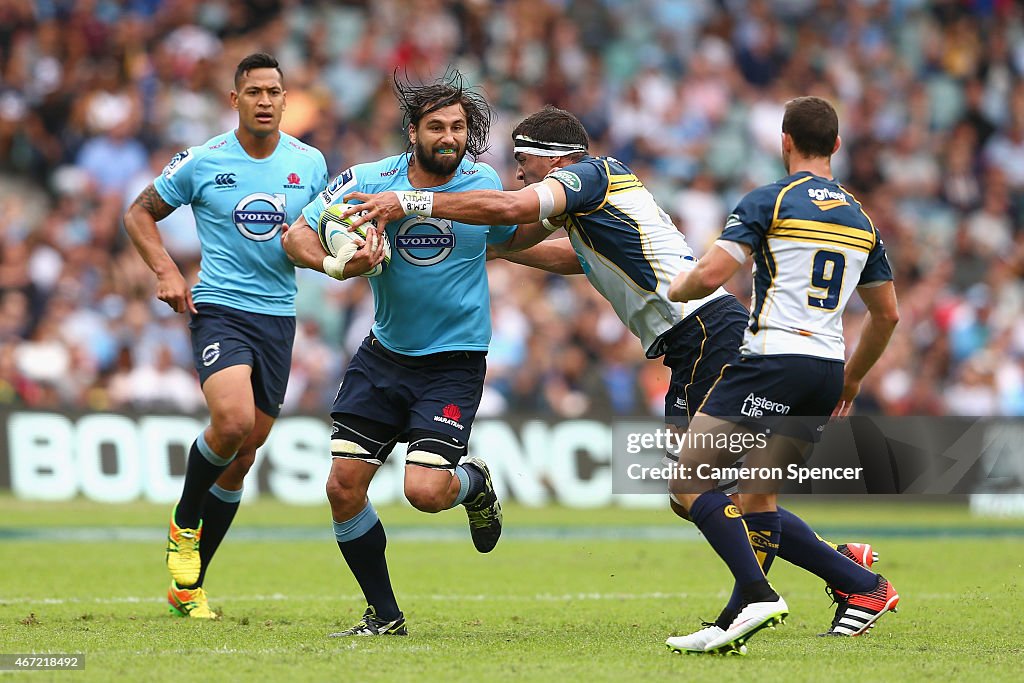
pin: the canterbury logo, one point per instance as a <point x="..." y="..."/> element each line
<point x="732" y="512"/>
<point x="827" y="204"/>
<point x="224" y="179"/>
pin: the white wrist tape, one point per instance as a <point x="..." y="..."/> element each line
<point x="547" y="200"/>
<point x="549" y="226"/>
<point x="335" y="265"/>
<point x="416" y="202"/>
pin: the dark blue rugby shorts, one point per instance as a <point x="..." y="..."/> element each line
<point x="789" y="395"/>
<point x="223" y="337"/>
<point x="696" y="349"/>
<point x="438" y="392"/>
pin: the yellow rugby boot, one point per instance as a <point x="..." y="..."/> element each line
<point x="189" y="602"/>
<point x="183" y="559"/>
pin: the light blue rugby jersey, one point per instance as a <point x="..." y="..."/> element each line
<point x="239" y="205"/>
<point x="433" y="296"/>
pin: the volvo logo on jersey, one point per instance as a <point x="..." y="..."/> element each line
<point x="424" y="241"/>
<point x="259" y="216"/>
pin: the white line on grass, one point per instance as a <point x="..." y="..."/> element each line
<point x="278" y="597"/>
<point x="129" y="534"/>
<point x="440" y="597"/>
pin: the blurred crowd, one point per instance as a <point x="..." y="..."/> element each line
<point x="97" y="95"/>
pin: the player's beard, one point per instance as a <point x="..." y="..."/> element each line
<point x="434" y="164"/>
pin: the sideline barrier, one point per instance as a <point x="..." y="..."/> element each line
<point x="120" y="457"/>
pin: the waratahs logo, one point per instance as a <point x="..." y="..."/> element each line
<point x="425" y="241"/>
<point x="259" y="216"/>
<point x="450" y="415"/>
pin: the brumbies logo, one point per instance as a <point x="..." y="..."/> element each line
<point x="425" y="241"/>
<point x="210" y="354"/>
<point x="259" y="216"/>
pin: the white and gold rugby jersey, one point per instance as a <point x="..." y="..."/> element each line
<point x="812" y="245"/>
<point x="628" y="246"/>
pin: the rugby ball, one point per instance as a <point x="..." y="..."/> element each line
<point x="333" y="231"/>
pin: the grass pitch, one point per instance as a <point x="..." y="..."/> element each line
<point x="567" y="595"/>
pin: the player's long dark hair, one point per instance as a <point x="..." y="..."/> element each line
<point x="418" y="100"/>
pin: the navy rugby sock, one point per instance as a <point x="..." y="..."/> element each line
<point x="722" y="524"/>
<point x="804" y="548"/>
<point x="362" y="542"/>
<point x="763" y="530"/>
<point x="201" y="471"/>
<point x="218" y="511"/>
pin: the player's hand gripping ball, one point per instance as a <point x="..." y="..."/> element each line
<point x="335" y="237"/>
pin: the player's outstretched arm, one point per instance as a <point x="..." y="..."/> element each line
<point x="140" y="224"/>
<point x="531" y="204"/>
<point x="554" y="256"/>
<point x="882" y="317"/>
<point x="303" y="247"/>
<point x="711" y="272"/>
<point x="525" y="236"/>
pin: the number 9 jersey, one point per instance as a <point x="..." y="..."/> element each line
<point x="812" y="245"/>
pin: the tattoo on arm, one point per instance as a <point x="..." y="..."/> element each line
<point x="150" y="200"/>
